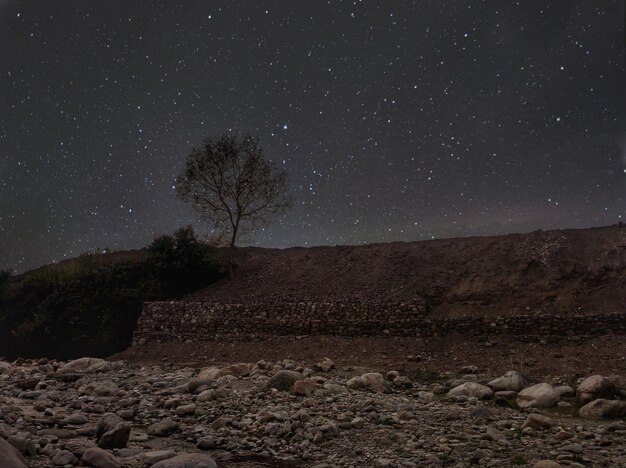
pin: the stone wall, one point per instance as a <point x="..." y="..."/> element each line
<point x="203" y="321"/>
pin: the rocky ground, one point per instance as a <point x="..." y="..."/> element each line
<point x="92" y="412"/>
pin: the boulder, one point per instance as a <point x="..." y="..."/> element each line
<point x="10" y="457"/>
<point x="603" y="409"/>
<point x="372" y="381"/>
<point x="511" y="381"/>
<point x="594" y="387"/>
<point x="283" y="380"/>
<point x="471" y="389"/>
<point x="208" y="373"/>
<point x="187" y="460"/>
<point x="112" y="432"/>
<point x="85" y="365"/>
<point x="541" y="395"/>
<point x="100" y="458"/>
<point x="356" y="383"/>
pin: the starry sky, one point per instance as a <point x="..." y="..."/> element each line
<point x="394" y="120"/>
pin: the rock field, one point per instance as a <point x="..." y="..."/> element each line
<point x="93" y="412"/>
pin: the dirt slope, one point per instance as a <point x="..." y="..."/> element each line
<point x="560" y="271"/>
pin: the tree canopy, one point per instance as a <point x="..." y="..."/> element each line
<point x="231" y="184"/>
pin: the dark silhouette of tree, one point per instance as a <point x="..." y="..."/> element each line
<point x="231" y="184"/>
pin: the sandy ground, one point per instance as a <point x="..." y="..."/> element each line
<point x="565" y="358"/>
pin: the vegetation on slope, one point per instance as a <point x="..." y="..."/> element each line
<point x="91" y="307"/>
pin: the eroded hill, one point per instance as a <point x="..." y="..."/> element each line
<point x="560" y="270"/>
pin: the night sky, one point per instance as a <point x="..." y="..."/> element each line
<point x="394" y="120"/>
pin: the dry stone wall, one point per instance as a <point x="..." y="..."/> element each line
<point x="204" y="321"/>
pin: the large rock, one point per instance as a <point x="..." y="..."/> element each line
<point x="10" y="457"/>
<point x="541" y="395"/>
<point x="356" y="383"/>
<point x="112" y="432"/>
<point x="471" y="389"/>
<point x="100" y="458"/>
<point x="604" y="409"/>
<point x="373" y="381"/>
<point x="86" y="365"/>
<point x="511" y="381"/>
<point x="187" y="460"/>
<point x="284" y="380"/>
<point x="208" y="372"/>
<point x="594" y="387"/>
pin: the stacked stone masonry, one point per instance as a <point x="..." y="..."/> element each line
<point x="203" y="321"/>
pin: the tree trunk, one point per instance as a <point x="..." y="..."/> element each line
<point x="233" y="239"/>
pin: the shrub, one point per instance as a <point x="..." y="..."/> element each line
<point x="87" y="307"/>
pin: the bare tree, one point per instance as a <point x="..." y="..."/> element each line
<point x="231" y="184"/>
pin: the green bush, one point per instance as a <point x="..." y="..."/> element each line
<point x="87" y="307"/>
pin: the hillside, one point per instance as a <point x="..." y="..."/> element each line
<point x="559" y="270"/>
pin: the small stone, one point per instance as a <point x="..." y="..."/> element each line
<point x="207" y="443"/>
<point x="187" y="460"/>
<point x="303" y="388"/>
<point x="112" y="432"/>
<point x="186" y="410"/>
<point x="538" y="421"/>
<point x="150" y="458"/>
<point x="163" y="428"/>
<point x="63" y="457"/>
<point x="284" y="380"/>
<point x="402" y="381"/>
<point x="357" y="423"/>
<point x="471" y="389"/>
<point x="547" y="464"/>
